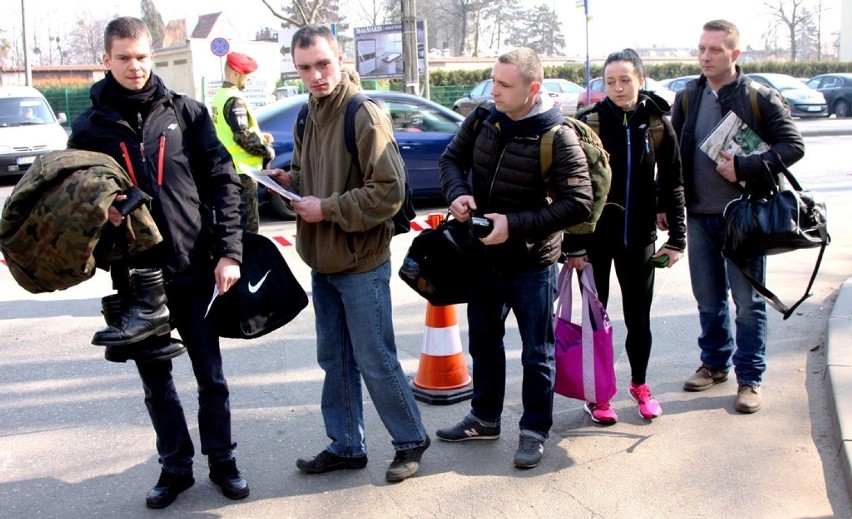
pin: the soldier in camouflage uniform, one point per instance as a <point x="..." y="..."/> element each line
<point x="237" y="128"/>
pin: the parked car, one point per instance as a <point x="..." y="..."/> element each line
<point x="566" y="92"/>
<point x="28" y="128"/>
<point x="803" y="100"/>
<point x="422" y="129"/>
<point x="837" y="90"/>
<point x="598" y="91"/>
<point x="480" y="95"/>
<point x="678" y="83"/>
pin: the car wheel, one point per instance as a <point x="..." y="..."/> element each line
<point x="841" y="108"/>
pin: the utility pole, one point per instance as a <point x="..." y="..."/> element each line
<point x="28" y="71"/>
<point x="409" y="47"/>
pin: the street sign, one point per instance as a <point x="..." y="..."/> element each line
<point x="220" y="46"/>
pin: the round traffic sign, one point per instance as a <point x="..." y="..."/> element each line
<point x="220" y="46"/>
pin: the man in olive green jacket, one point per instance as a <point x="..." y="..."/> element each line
<point x="343" y="233"/>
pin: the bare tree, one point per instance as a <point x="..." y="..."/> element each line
<point x="377" y="12"/>
<point x="300" y="12"/>
<point x="794" y="17"/>
<point x="501" y="14"/>
<point x="86" y="40"/>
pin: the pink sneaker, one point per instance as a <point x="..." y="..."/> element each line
<point x="601" y="413"/>
<point x="649" y="408"/>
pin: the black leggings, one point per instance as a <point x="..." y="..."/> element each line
<point x="636" y="278"/>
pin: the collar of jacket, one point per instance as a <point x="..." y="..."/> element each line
<point x="325" y="109"/>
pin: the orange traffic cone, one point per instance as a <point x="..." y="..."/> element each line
<point x="442" y="376"/>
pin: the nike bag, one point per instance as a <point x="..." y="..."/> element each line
<point x="266" y="297"/>
<point x="585" y="365"/>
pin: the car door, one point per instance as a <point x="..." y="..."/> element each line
<point x="422" y="133"/>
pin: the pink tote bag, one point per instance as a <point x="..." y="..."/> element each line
<point x="585" y="365"/>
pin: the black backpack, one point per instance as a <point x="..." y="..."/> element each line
<point x="402" y="219"/>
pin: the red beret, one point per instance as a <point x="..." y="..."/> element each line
<point x="240" y="63"/>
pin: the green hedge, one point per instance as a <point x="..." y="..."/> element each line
<point x="448" y="85"/>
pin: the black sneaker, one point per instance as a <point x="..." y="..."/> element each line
<point x="168" y="487"/>
<point x="468" y="429"/>
<point x="406" y="462"/>
<point x="327" y="461"/>
<point x="530" y="449"/>
<point x="229" y="479"/>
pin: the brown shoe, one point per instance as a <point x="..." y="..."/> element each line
<point x="749" y="398"/>
<point x="704" y="377"/>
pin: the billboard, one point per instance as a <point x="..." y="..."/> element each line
<point x="378" y="51"/>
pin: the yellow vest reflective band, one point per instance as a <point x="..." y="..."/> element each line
<point x="226" y="135"/>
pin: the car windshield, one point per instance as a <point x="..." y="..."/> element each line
<point x="24" y="111"/>
<point x="785" y="82"/>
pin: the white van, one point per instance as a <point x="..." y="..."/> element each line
<point x="28" y="128"/>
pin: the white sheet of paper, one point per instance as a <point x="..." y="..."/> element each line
<point x="270" y="184"/>
<point x="215" y="295"/>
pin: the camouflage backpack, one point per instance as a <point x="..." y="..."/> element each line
<point x="53" y="220"/>
<point x="597" y="160"/>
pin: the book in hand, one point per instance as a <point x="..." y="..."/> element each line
<point x="270" y="183"/>
<point x="733" y="136"/>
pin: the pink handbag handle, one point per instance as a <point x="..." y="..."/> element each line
<point x="596" y="320"/>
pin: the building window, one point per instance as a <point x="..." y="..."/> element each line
<point x="161" y="64"/>
<point x="179" y="62"/>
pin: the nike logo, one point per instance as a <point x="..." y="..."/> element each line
<point x="255" y="287"/>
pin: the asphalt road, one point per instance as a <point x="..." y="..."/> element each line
<point x="76" y="441"/>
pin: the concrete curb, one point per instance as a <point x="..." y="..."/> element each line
<point x="839" y="373"/>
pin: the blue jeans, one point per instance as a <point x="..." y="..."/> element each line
<point x="355" y="340"/>
<point x="529" y="294"/>
<point x="187" y="304"/>
<point x="713" y="276"/>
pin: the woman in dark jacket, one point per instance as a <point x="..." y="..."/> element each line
<point x="646" y="194"/>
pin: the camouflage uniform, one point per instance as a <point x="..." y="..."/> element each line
<point x="51" y="225"/>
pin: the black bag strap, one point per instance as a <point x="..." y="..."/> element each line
<point x="770" y="296"/>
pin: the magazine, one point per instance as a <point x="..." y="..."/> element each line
<point x="733" y="136"/>
<point x="270" y="183"/>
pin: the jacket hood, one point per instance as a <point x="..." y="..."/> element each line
<point x="541" y="118"/>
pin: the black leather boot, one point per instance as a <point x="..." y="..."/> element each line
<point x="147" y="314"/>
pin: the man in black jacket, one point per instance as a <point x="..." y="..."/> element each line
<point x="168" y="145"/>
<point x="519" y="274"/>
<point x="722" y="88"/>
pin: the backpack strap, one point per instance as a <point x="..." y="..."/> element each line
<point x="546" y="149"/>
<point x="657" y="129"/>
<point x="352" y="107"/>
<point x="349" y="137"/>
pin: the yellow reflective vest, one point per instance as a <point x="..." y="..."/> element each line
<point x="240" y="156"/>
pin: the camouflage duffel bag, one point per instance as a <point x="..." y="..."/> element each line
<point x="52" y="221"/>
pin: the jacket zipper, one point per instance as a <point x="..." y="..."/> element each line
<point x="629" y="171"/>
<point x="128" y="163"/>
<point x="161" y="152"/>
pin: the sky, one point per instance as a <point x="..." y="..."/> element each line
<point x="615" y="24"/>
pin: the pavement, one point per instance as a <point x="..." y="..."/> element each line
<point x="75" y="440"/>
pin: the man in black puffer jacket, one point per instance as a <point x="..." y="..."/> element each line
<point x="507" y="187"/>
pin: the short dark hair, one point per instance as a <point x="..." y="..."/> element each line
<point x="124" y="27"/>
<point x="305" y="36"/>
<point x="630" y="56"/>
<point x="733" y="34"/>
<point x="527" y="61"/>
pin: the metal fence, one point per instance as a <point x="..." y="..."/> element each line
<point x="74" y="100"/>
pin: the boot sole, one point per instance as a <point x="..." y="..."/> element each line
<point x="163" y="329"/>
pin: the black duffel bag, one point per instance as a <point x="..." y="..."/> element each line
<point x="266" y="297"/>
<point x="440" y="262"/>
<point x="782" y="220"/>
